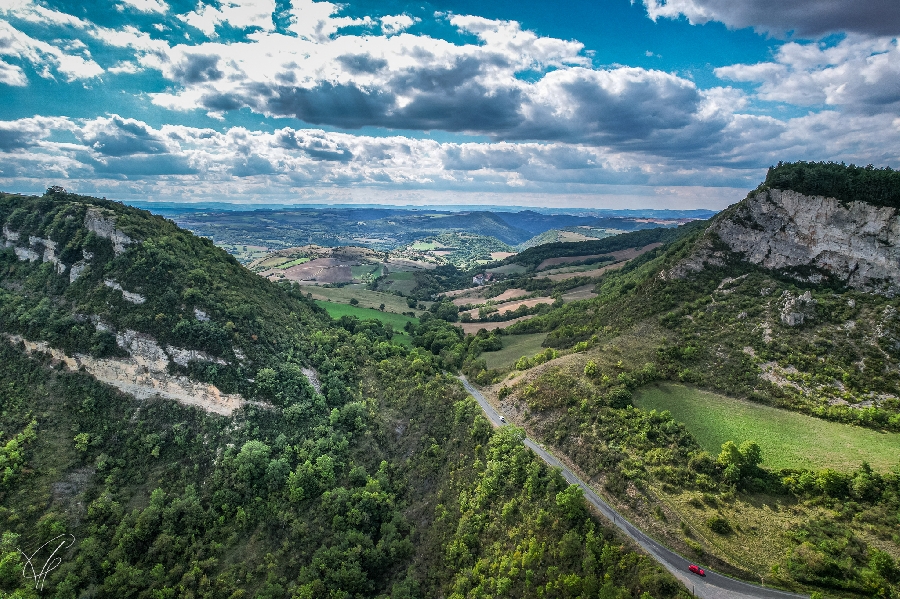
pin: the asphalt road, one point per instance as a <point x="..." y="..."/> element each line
<point x="711" y="586"/>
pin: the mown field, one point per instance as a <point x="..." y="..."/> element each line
<point x="365" y="297"/>
<point x="514" y="347"/>
<point x="788" y="439"/>
<point x="399" y="281"/>
<point x="398" y="321"/>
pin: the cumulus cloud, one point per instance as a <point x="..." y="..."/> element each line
<point x="118" y="148"/>
<point x="396" y="23"/>
<point x="45" y="56"/>
<point x="24" y="133"/>
<point x="418" y="82"/>
<point x="241" y="14"/>
<point x="147" y="6"/>
<point x="803" y="18"/>
<point x="116" y="136"/>
<point x="11" y="74"/>
<point x="858" y="73"/>
<point x="555" y="121"/>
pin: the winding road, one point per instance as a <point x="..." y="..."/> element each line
<point x="711" y="586"/>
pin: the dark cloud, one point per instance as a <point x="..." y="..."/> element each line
<point x="197" y="68"/>
<point x="122" y="137"/>
<point x="15" y="139"/>
<point x="802" y="18"/>
<point x="327" y="103"/>
<point x="362" y="63"/>
<point x="475" y="157"/>
<point x="251" y="166"/>
<point x="317" y="149"/>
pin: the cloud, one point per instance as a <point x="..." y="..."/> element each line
<point x="45" y="56"/>
<point x="241" y="14"/>
<point x="147" y="6"/>
<point x="397" y="23"/>
<point x="124" y="66"/>
<point x="315" y="21"/>
<point x="11" y="74"/>
<point x="803" y="18"/>
<point x="418" y="82"/>
<point x="116" y="136"/>
<point x="859" y="74"/>
<point x="25" y="133"/>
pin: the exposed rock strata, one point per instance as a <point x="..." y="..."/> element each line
<point x="134" y="298"/>
<point x="143" y="374"/>
<point x="104" y="225"/>
<point x="856" y="243"/>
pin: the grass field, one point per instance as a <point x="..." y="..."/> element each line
<point x="514" y="347"/>
<point x="366" y="298"/>
<point x="398" y="321"/>
<point x="363" y="270"/>
<point x="508" y="269"/>
<point x="425" y="245"/>
<point x="402" y="282"/>
<point x="294" y="262"/>
<point x="788" y="439"/>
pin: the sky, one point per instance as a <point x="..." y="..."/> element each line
<point x="551" y="103"/>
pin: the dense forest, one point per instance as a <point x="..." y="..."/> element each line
<point x="879" y="186"/>
<point x="375" y="476"/>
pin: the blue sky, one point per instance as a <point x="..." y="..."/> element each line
<point x="600" y="103"/>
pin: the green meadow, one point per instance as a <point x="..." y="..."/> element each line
<point x="514" y="347"/>
<point x="398" y="321"/>
<point x="788" y="439"/>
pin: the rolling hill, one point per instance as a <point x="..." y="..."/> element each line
<point x="191" y="429"/>
<point x="785" y="301"/>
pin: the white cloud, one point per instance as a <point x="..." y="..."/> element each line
<point x="860" y="74"/>
<point x="45" y="56"/>
<point x="24" y="133"/>
<point x="315" y="21"/>
<point x="147" y="6"/>
<point x="124" y="67"/>
<point x="806" y="18"/>
<point x="11" y="74"/>
<point x="397" y="23"/>
<point x="237" y="13"/>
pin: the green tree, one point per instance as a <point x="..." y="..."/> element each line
<point x="570" y="501"/>
<point x="730" y="455"/>
<point x="751" y="455"/>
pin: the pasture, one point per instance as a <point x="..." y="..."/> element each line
<point x="367" y="299"/>
<point x="787" y="439"/>
<point x="514" y="347"/>
<point x="398" y="321"/>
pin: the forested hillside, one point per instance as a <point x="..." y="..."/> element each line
<point x="323" y="461"/>
<point x="695" y="314"/>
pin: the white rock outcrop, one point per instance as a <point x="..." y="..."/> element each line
<point x="143" y="373"/>
<point x="134" y="298"/>
<point x="857" y="243"/>
<point x="104" y="225"/>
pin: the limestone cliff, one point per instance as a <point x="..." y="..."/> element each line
<point x="809" y="237"/>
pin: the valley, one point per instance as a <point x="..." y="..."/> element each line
<point x="303" y="299"/>
<point x="740" y="411"/>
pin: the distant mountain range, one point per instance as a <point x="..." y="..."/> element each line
<point x="388" y="228"/>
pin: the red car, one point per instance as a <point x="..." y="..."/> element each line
<point x="697" y="570"/>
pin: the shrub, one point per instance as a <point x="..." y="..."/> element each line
<point x="718" y="525"/>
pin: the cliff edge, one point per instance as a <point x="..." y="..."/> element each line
<point x="812" y="238"/>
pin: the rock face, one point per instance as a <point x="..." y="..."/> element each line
<point x="811" y="237"/>
<point x="143" y="374"/>
<point x="104" y="225"/>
